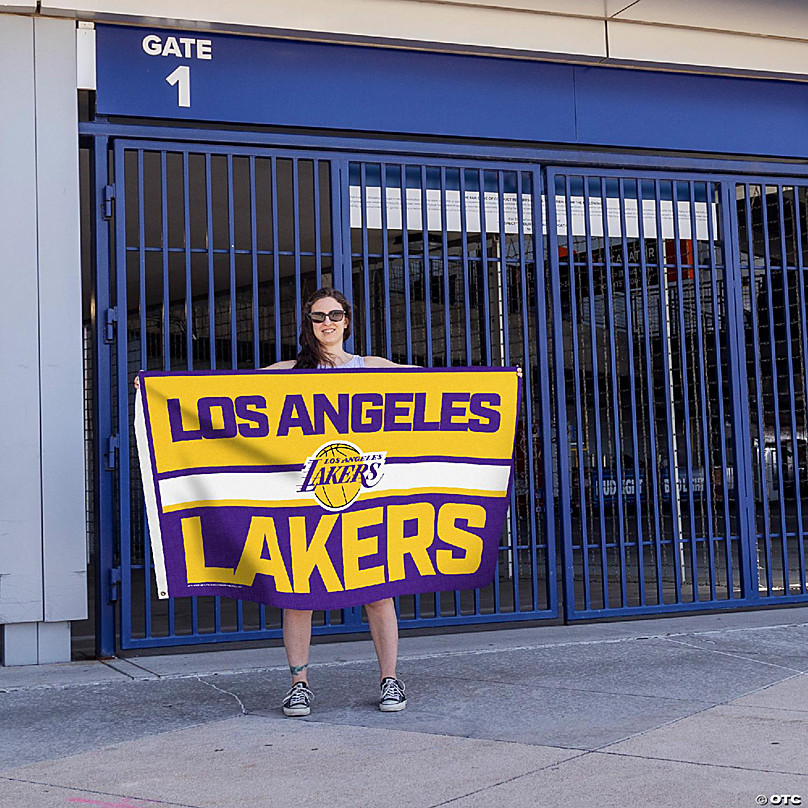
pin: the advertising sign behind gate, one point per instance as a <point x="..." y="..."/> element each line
<point x="316" y="490"/>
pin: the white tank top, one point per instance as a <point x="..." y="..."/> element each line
<point x="355" y="361"/>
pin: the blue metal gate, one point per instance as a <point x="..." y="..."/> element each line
<point x="661" y="321"/>
<point x="216" y="246"/>
<point x="649" y="398"/>
<point x="771" y="217"/>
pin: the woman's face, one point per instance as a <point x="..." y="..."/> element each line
<point x="329" y="333"/>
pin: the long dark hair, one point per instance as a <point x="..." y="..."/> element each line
<point x="312" y="354"/>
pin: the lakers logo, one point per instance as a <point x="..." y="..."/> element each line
<point x="338" y="471"/>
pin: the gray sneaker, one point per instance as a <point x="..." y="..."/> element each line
<point x="298" y="700"/>
<point x="392" y="697"/>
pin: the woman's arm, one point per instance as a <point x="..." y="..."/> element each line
<point x="381" y="362"/>
<point x="286" y="364"/>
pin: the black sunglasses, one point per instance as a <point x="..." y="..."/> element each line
<point x="319" y="316"/>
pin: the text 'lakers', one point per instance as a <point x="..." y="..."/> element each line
<point x="436" y="540"/>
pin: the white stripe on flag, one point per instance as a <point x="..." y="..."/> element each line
<point x="152" y="511"/>
<point x="283" y="485"/>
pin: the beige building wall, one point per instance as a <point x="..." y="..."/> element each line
<point x="757" y="37"/>
<point x="43" y="562"/>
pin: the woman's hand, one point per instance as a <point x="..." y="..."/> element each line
<point x="519" y="371"/>
<point x="136" y="382"/>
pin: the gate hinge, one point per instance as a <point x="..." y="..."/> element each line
<point x="114" y="584"/>
<point x="109" y="196"/>
<point x="112" y="452"/>
<point x="110" y="319"/>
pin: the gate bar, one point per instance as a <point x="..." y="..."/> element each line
<point x="164" y="262"/>
<point x="121" y="394"/>
<point x="653" y="471"/>
<point x="189" y="310"/>
<point x="800" y="269"/>
<point x="682" y="350"/>
<point x="124" y="376"/>
<point x="388" y="345"/>
<point x="775" y="384"/>
<point x="673" y="466"/>
<point x="610" y="326"/>
<point x="256" y="357"/>
<point x="430" y="359"/>
<point x="526" y="372"/>
<point x="486" y="336"/>
<point x="604" y="557"/>
<point x="505" y="360"/>
<point x="761" y="459"/>
<point x="570" y="602"/>
<point x="790" y="383"/>
<point x="405" y="245"/>
<point x="704" y="397"/>
<point x="725" y="259"/>
<point x="318" y="246"/>
<point x="166" y="346"/>
<point x="465" y="264"/>
<point x="447" y="322"/>
<point x="296" y="242"/>
<point x="365" y="269"/>
<point x="543" y="356"/>
<point x="276" y="260"/>
<point x="447" y="310"/>
<point x="231" y="263"/>
<point x="738" y="377"/>
<point x="103" y="384"/>
<point x="621" y="190"/>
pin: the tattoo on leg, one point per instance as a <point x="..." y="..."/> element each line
<point x="295" y="669"/>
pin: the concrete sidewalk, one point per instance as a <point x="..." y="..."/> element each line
<point x="686" y="711"/>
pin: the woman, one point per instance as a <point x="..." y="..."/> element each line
<point x="325" y="326"/>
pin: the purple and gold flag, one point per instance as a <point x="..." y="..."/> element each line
<point x="319" y="489"/>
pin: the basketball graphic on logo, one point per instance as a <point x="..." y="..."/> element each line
<point x="338" y="464"/>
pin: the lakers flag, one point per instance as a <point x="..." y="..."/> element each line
<point x="319" y="489"/>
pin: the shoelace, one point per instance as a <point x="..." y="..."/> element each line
<point x="299" y="694"/>
<point x="391" y="690"/>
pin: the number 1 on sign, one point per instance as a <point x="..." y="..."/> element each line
<point x="182" y="78"/>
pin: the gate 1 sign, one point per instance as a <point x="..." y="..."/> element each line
<point x="137" y="69"/>
<point x="323" y="489"/>
<point x="192" y="75"/>
<point x="201" y="76"/>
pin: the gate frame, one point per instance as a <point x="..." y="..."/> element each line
<point x="737" y="384"/>
<point x="100" y="133"/>
<point x="762" y="179"/>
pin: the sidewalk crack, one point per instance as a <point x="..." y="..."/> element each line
<point x="735" y="656"/>
<point x="227" y="692"/>
<point x="507" y="780"/>
<point x="146" y="800"/>
<point x="600" y="691"/>
<point x="700" y="763"/>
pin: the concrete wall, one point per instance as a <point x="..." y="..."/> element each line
<point x="758" y="37"/>
<point x="21" y="598"/>
<point x="42" y="518"/>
